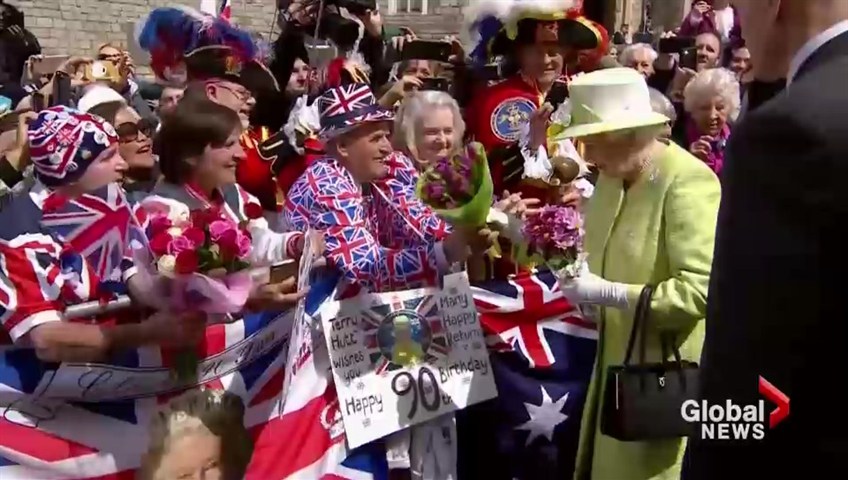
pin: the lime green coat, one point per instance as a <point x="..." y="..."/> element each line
<point x="661" y="230"/>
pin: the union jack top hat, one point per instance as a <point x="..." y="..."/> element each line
<point x="343" y="108"/>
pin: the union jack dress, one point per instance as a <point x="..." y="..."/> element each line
<point x="380" y="237"/>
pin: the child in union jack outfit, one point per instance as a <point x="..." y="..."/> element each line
<point x="66" y="241"/>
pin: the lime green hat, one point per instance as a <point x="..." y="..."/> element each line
<point x="608" y="100"/>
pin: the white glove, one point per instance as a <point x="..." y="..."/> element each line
<point x="588" y="288"/>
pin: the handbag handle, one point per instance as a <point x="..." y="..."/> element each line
<point x="640" y="320"/>
<point x="668" y="342"/>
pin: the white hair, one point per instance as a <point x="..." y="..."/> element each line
<point x="710" y="83"/>
<point x="412" y="112"/>
<point x="627" y="56"/>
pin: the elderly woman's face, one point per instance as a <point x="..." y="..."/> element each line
<point x="710" y="115"/>
<point x="192" y="456"/>
<point x="436" y="137"/>
<point x="613" y="153"/>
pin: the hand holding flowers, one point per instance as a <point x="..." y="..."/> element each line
<point x="554" y="236"/>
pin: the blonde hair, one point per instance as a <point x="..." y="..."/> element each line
<point x="411" y="114"/>
<point x="210" y="411"/>
<point x="710" y="83"/>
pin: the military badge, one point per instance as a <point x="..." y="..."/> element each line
<point x="509" y="116"/>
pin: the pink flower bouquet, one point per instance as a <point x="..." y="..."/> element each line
<point x="554" y="237"/>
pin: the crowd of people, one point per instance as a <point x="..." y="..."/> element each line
<point x="739" y="107"/>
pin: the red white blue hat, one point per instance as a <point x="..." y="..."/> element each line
<point x="345" y="107"/>
<point x="63" y="142"/>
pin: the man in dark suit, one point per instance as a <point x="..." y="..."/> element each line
<point x="778" y="295"/>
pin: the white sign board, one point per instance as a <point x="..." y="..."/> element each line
<point x="403" y="358"/>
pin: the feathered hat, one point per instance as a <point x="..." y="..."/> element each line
<point x="185" y="44"/>
<point x="494" y="26"/>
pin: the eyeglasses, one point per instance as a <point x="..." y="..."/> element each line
<point x="241" y="93"/>
<point x="128" y="132"/>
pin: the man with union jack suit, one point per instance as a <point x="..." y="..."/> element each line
<point x="66" y="241"/>
<point x="342" y="196"/>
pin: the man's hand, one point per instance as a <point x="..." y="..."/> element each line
<point x="701" y="7"/>
<point x="569" y="195"/>
<point x="18" y="156"/>
<point x="275" y="296"/>
<point x="176" y="330"/>
<point x="373" y="22"/>
<point x="540" y="120"/>
<point x="701" y="148"/>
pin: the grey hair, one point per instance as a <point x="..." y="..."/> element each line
<point x="662" y="105"/>
<point x="626" y="57"/>
<point x="709" y="83"/>
<point x="412" y="112"/>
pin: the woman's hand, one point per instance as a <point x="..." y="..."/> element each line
<point x="682" y="77"/>
<point x="513" y="204"/>
<point x="588" y="288"/>
<point x="540" y="120"/>
<point x="176" y="330"/>
<point x="701" y="148"/>
<point x="275" y="296"/>
<point x="406" y="84"/>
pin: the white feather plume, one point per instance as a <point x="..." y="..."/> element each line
<point x="508" y="11"/>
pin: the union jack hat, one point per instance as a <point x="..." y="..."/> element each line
<point x="345" y="107"/>
<point x="63" y="142"/>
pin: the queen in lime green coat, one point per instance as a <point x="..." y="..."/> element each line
<point x="651" y="220"/>
<point x="657" y="229"/>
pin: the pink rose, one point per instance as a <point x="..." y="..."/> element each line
<point x="159" y="224"/>
<point x="243" y="243"/>
<point x="179" y="245"/>
<point x="219" y="228"/>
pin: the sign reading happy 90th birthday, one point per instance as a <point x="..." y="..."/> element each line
<point x="403" y="358"/>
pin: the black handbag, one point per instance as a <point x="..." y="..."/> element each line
<point x="642" y="401"/>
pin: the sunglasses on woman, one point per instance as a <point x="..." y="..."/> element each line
<point x="128" y="132"/>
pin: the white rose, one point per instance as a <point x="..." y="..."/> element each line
<point x="178" y="215"/>
<point x="166" y="265"/>
<point x="175" y="231"/>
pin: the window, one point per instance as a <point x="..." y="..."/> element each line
<point x="409" y="6"/>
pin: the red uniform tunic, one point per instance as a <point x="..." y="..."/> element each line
<point x="254" y="172"/>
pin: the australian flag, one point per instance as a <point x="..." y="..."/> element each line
<point x="542" y="354"/>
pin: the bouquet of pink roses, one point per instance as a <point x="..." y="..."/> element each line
<point x="554" y="237"/>
<point x="201" y="259"/>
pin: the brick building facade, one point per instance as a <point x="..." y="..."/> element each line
<point x="80" y="26"/>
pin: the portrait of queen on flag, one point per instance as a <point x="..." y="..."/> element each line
<point x="400" y="314"/>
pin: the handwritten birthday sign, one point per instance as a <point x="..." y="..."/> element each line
<point x="403" y="358"/>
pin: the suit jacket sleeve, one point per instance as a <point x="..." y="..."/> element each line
<point x="690" y="211"/>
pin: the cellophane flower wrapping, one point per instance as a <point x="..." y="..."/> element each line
<point x="201" y="262"/>
<point x="554" y="237"/>
<point x="459" y="188"/>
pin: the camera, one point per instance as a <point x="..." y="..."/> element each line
<point x="334" y="26"/>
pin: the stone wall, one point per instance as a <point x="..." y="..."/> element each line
<point x="79" y="26"/>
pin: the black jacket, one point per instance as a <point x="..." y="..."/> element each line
<point x="777" y="299"/>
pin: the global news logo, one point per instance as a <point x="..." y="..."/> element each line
<point x="729" y="421"/>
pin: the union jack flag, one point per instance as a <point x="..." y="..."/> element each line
<point x="345" y="99"/>
<point x="99" y="227"/>
<point x="42" y="436"/>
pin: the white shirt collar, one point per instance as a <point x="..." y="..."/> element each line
<point x="812" y="45"/>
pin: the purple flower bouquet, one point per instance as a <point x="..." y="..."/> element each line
<point x="459" y="188"/>
<point x="554" y="237"/>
